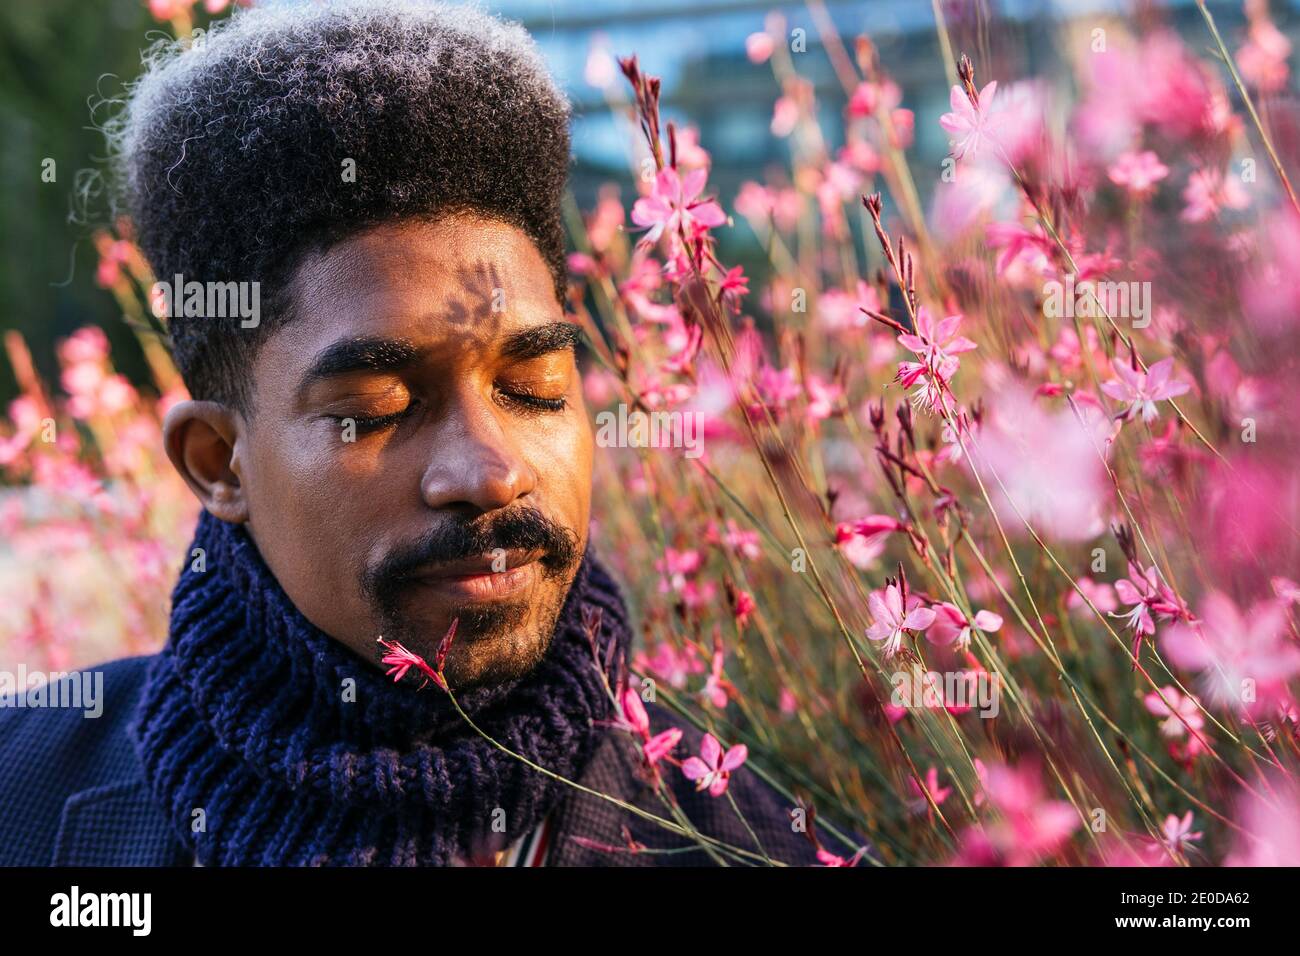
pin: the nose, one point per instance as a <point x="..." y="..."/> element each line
<point x="474" y="462"/>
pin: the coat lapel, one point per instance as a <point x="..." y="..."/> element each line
<point x="116" y="825"/>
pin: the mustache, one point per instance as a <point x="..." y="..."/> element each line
<point x="454" y="539"/>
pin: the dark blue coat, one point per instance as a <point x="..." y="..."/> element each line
<point x="73" y="793"/>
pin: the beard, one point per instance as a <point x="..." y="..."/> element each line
<point x="496" y="641"/>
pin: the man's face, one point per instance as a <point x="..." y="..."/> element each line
<point x="418" y="449"/>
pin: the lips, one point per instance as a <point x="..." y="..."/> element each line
<point x="475" y="579"/>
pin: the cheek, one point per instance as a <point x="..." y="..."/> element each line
<point x="310" y="495"/>
<point x="562" y="459"/>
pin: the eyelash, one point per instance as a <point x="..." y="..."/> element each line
<point x="535" y="403"/>
<point x="375" y="424"/>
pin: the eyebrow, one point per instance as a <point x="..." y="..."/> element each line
<point x="541" y="340"/>
<point x="372" y="354"/>
<point x="360" y="355"/>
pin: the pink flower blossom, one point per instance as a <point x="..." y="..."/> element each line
<point x="972" y="126"/>
<point x="1028" y="826"/>
<point x="1101" y="594"/>
<point x="712" y="769"/>
<point x="891" y="620"/>
<point x="1208" y="191"/>
<point x="1176" y="834"/>
<point x="675" y="207"/>
<point x="1181" y="712"/>
<point x="1246" y="659"/>
<point x="1269" y="819"/>
<point x="759" y="47"/>
<point x="1138" y="173"/>
<point x="1141" y="390"/>
<point x="952" y="627"/>
<point x="637" y="721"/>
<point x="919" y="803"/>
<point x="937" y="344"/>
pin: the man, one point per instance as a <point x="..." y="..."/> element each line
<point x="390" y="643"/>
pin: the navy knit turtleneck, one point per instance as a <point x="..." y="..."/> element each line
<point x="245" y="718"/>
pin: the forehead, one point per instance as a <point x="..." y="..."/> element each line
<point x="463" y="281"/>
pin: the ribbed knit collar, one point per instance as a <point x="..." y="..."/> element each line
<point x="261" y="752"/>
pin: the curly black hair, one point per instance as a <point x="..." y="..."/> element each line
<point x="288" y="128"/>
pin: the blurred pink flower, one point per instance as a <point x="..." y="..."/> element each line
<point x="759" y="47"/>
<point x="919" y="803"/>
<point x="1208" y="191"/>
<point x="1138" y="173"/>
<point x="1176" y="834"/>
<point x="1270" y="826"/>
<point x="1029" y="826"/>
<point x="1181" y="712"/>
<point x="1101" y="594"/>
<point x="1246" y="659"/>
<point x="1042" y="466"/>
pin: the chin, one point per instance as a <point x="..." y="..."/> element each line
<point x="495" y="659"/>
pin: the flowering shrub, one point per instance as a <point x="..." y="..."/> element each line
<point x="988" y="552"/>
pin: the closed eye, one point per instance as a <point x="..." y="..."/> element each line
<point x="530" y="402"/>
<point x="377" y="422"/>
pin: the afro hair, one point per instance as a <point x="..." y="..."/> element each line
<point x="290" y="127"/>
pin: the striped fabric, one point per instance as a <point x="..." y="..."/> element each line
<point x="531" y="848"/>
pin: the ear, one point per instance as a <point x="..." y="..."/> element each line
<point x="201" y="439"/>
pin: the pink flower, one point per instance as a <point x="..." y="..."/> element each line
<point x="1142" y="389"/>
<point x="1138" y="172"/>
<point x="402" y="660"/>
<point x="823" y="397"/>
<point x="919" y="803"/>
<point x="1180" y="713"/>
<point x="1101" y="594"/>
<point x="950" y="625"/>
<point x="1285" y="589"/>
<point x="891" y="620"/>
<point x="1146" y="593"/>
<point x="1270" y="826"/>
<point x="674" y="207"/>
<point x="745" y="607"/>
<point x="1245" y="659"/>
<point x="785" y="116"/>
<point x="972" y="125"/>
<point x="712" y="769"/>
<point x="1028" y="826"/>
<point x="827" y="858"/>
<point x="1043" y="467"/>
<point x="937" y="344"/>
<point x="637" y="721"/>
<point x="669" y="664"/>
<point x="716" y="686"/>
<point x="1177" y="834"/>
<point x="1208" y="191"/>
<point x="865" y="99"/>
<point x="759" y="47"/>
